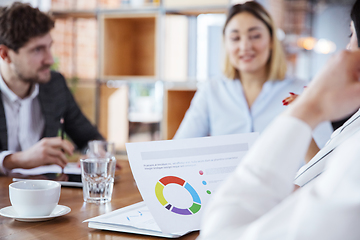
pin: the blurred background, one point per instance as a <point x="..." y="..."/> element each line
<point x="134" y="65"/>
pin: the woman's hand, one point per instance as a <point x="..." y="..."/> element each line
<point x="290" y="99"/>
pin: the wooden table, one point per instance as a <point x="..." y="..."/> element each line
<point x="70" y="226"/>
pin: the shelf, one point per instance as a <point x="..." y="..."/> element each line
<point x="194" y="11"/>
<point x="145" y="117"/>
<point x="131" y="10"/>
<point x="192" y="3"/>
<point x="177" y="102"/>
<point x="128" y="45"/>
<point x="187" y="85"/>
<point x="74" y="14"/>
<point x="182" y="9"/>
<point x="128" y="78"/>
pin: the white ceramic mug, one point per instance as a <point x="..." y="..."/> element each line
<point x="33" y="198"/>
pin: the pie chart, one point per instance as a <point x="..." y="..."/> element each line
<point x="159" y="192"/>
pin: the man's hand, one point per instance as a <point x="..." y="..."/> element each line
<point x="46" y="151"/>
<point x="333" y="94"/>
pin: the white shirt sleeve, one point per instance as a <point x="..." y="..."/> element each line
<point x="3" y="154"/>
<point x="317" y="164"/>
<point x="256" y="201"/>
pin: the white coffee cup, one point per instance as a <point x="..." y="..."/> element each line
<point x="33" y="198"/>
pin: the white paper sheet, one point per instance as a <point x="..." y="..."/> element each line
<point x="137" y="216"/>
<point x="176" y="178"/>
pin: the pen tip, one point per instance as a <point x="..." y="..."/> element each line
<point x="61" y="120"/>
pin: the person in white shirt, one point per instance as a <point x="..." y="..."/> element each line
<point x="258" y="202"/>
<point x="248" y="97"/>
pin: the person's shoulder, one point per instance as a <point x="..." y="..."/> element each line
<point x="56" y="79"/>
<point x="56" y="84"/>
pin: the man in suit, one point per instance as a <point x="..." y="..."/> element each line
<point x="34" y="98"/>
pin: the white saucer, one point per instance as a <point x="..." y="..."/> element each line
<point x="10" y="212"/>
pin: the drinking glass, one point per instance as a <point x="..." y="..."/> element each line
<point x="98" y="179"/>
<point x="97" y="171"/>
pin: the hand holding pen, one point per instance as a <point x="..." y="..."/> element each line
<point x="64" y="142"/>
<point x="62" y="128"/>
<point x="47" y="151"/>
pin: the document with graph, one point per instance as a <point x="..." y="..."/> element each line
<point x="176" y="179"/>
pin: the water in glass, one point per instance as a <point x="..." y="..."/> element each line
<point x="98" y="179"/>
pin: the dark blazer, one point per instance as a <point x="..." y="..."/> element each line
<point x="56" y="101"/>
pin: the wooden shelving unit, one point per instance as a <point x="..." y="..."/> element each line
<point x="132" y="46"/>
<point x="128" y="46"/>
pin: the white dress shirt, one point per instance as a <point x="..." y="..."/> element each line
<point x="24" y="120"/>
<point x="257" y="200"/>
<point x="220" y="107"/>
<point x="317" y="164"/>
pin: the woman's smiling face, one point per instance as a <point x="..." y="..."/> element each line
<point x="248" y="43"/>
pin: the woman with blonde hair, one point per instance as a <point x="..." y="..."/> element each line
<point x="249" y="95"/>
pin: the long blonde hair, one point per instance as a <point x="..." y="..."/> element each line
<point x="276" y="66"/>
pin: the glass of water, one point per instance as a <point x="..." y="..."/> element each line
<point x="98" y="179"/>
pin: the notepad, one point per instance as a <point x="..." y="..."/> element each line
<point x="70" y="168"/>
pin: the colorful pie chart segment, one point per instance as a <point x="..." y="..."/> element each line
<point x="159" y="192"/>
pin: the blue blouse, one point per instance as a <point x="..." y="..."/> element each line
<point x="219" y="107"/>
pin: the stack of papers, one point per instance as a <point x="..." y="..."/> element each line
<point x="135" y="218"/>
<point x="176" y="179"/>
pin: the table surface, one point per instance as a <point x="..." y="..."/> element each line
<point x="70" y="226"/>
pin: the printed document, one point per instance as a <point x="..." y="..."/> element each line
<point x="176" y="179"/>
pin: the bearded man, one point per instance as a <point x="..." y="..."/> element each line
<point x="33" y="98"/>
